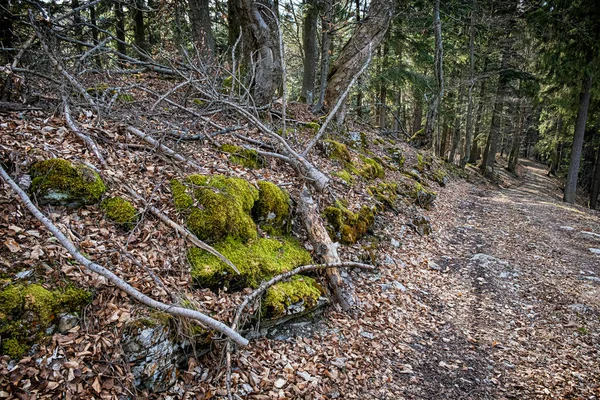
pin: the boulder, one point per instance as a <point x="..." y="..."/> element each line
<point x="422" y="225"/>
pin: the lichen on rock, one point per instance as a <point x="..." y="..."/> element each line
<point x="336" y="151"/>
<point x="59" y="182"/>
<point x="272" y="209"/>
<point x="423" y="197"/>
<point x="385" y="193"/>
<point x="120" y="211"/>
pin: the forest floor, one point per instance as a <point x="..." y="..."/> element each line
<point x="502" y="300"/>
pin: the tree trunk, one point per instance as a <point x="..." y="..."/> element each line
<point x="139" y="35"/>
<point x="595" y="189"/>
<point x="438" y="63"/>
<point x="556" y="151"/>
<point x="475" y="152"/>
<point x="572" y="175"/>
<point x="469" y="127"/>
<point x="457" y="121"/>
<point x="326" y="25"/>
<point x="491" y="146"/>
<point x="517" y="137"/>
<point x="356" y="51"/>
<point x="120" y="29"/>
<point x="310" y="46"/>
<point x="261" y="57"/>
<point x="417" y="124"/>
<point x="325" y="249"/>
<point x="202" y="29"/>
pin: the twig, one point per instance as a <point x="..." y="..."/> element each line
<point x="182" y="231"/>
<point x="114" y="279"/>
<point x="88" y="140"/>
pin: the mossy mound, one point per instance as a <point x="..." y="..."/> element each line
<point x="336" y="151"/>
<point x="345" y="176"/>
<point x="440" y="177"/>
<point x="346" y="226"/>
<point x="423" y="162"/>
<point x="385" y="193"/>
<point x="26" y="311"/>
<point x="244" y="157"/>
<point x="223" y="206"/>
<point x="59" y="182"/>
<point x="368" y="168"/>
<point x="120" y="211"/>
<point x="313" y="126"/>
<point x="272" y="209"/>
<point x="299" y="289"/>
<point x="257" y="260"/>
<point x="396" y="157"/>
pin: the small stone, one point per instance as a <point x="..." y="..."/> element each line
<point x="306" y="376"/>
<point x="246" y="389"/>
<point x="422" y="225"/>
<point x="67" y="322"/>
<point x="590" y="235"/>
<point x="339" y="362"/>
<point x="433" y="266"/>
<point x="592" y="278"/>
<point x="399" y="286"/>
<point x="395" y="243"/>
<point x="368" y="335"/>
<point x="567" y="228"/>
<point x="579" y="308"/>
<point x="595" y="251"/>
<point x="388" y="260"/>
<point x="279" y="383"/>
<point x="24" y="274"/>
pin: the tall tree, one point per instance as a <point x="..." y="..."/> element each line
<point x="202" y="29"/>
<point x="356" y="51"/>
<point x="438" y="62"/>
<point x="311" y="50"/>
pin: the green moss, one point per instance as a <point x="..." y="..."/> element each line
<point x="440" y="177"/>
<point x="423" y="197"/>
<point x="370" y="168"/>
<point x="181" y="198"/>
<point x="385" y="192"/>
<point x="244" y="157"/>
<point x="28" y="310"/>
<point x="228" y="82"/>
<point x="345" y="176"/>
<point x="272" y="209"/>
<point x="98" y="89"/>
<point x="59" y="182"/>
<point x="120" y="211"/>
<point x="336" y="151"/>
<point x="199" y="102"/>
<point x="257" y="260"/>
<point x="126" y="97"/>
<point x="224" y="206"/>
<point x="423" y="162"/>
<point x="284" y="294"/>
<point x="314" y="126"/>
<point x="397" y="158"/>
<point x="347" y="226"/>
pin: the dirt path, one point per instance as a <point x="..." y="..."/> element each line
<point x="514" y="311"/>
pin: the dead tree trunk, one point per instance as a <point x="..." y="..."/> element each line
<point x="326" y="250"/>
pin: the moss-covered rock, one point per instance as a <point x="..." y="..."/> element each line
<point x="223" y="206"/>
<point x="440" y="177"/>
<point x="120" y="211"/>
<point x="423" y="162"/>
<point x="423" y="197"/>
<point x="257" y="260"/>
<point x="345" y="176"/>
<point x="396" y="157"/>
<point x="282" y="295"/>
<point x="370" y="168"/>
<point x="336" y="151"/>
<point x="314" y="126"/>
<point x="385" y="192"/>
<point x="26" y="311"/>
<point x="272" y="209"/>
<point x="59" y="182"/>
<point x="244" y="157"/>
<point x="346" y="226"/>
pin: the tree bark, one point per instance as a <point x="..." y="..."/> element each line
<point x="202" y="29"/>
<point x="438" y="61"/>
<point x="469" y="127"/>
<point x="573" y="174"/>
<point x="139" y="33"/>
<point x="354" y="53"/>
<point x="491" y="147"/>
<point x="343" y="289"/>
<point x="517" y="137"/>
<point x="475" y="151"/>
<point x="326" y="24"/>
<point x="311" y="51"/>
<point x="120" y="29"/>
<point x="261" y="58"/>
<point x="417" y="124"/>
<point x="595" y="189"/>
<point x="457" y="123"/>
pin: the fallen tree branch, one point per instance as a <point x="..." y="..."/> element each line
<point x="326" y="249"/>
<point x="164" y="148"/>
<point x="87" y="140"/>
<point x="182" y="231"/>
<point x="114" y="279"/>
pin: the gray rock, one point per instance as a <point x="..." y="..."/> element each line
<point x="592" y="278"/>
<point x="367" y="335"/>
<point x="567" y="228"/>
<point x="395" y="243"/>
<point x="579" y="308"/>
<point x="388" y="260"/>
<point x="422" y="224"/>
<point x="66" y="322"/>
<point x="24" y="274"/>
<point x="433" y="266"/>
<point x="153" y="354"/>
<point x="487" y="261"/>
<point x="399" y="286"/>
<point x="590" y="235"/>
<point x="595" y="251"/>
